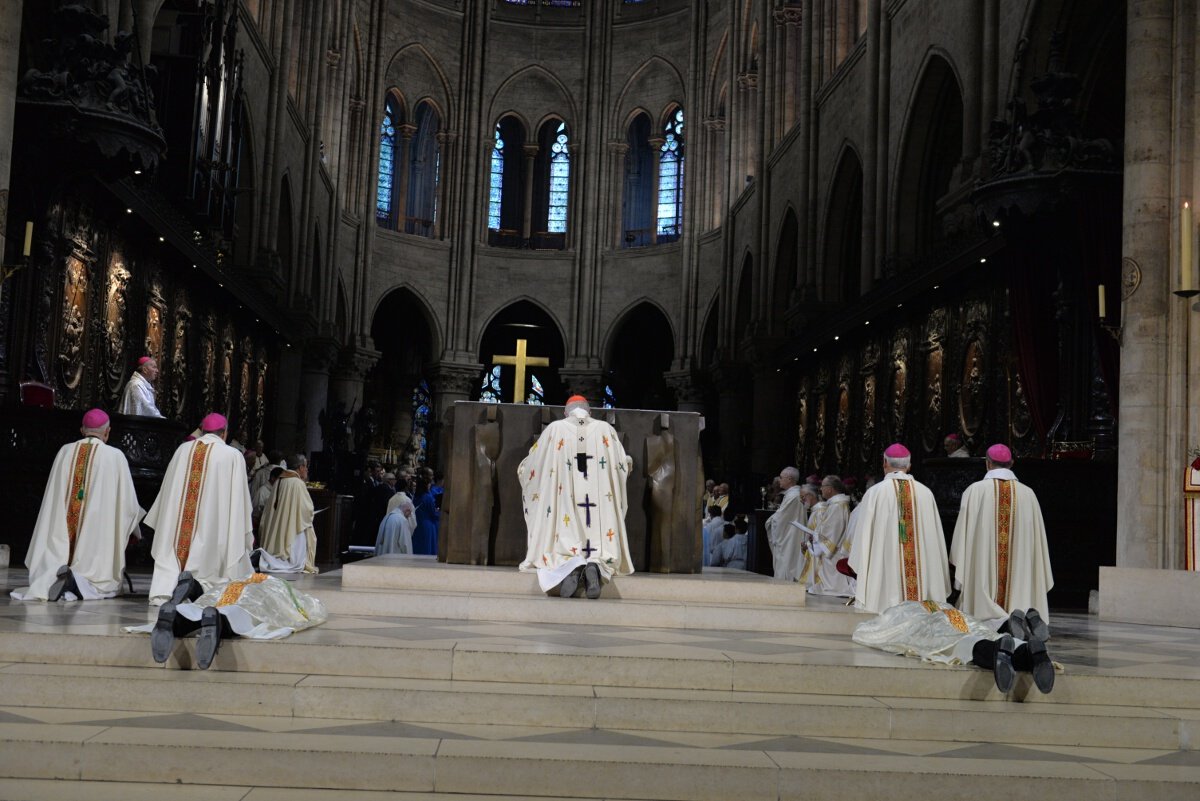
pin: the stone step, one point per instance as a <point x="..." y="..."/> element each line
<point x="714" y="585"/>
<point x="509" y="608"/>
<point x="286" y="759"/>
<point x="872" y="674"/>
<point x="521" y="704"/>
<point x="57" y="790"/>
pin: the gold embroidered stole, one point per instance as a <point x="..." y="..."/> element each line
<point x="233" y="590"/>
<point x="908" y="540"/>
<point x="190" y="502"/>
<point x="1004" y="512"/>
<point x="953" y="615"/>
<point x="77" y="494"/>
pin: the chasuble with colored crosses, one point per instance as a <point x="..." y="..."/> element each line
<point x="573" y="485"/>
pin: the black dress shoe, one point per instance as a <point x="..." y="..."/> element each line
<point x="162" y="637"/>
<point x="210" y="637"/>
<point x="1003" y="671"/>
<point x="187" y="589"/>
<point x="1016" y="625"/>
<point x="1043" y="668"/>
<point x="62" y="583"/>
<point x="570" y="585"/>
<point x="255" y="556"/>
<point x="591" y="577"/>
<point x="1035" y="626"/>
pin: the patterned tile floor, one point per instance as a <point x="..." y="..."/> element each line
<point x="1081" y="643"/>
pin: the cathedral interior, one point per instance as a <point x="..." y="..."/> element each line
<point x="826" y="225"/>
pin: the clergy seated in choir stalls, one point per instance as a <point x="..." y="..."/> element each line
<point x="573" y="484"/>
<point x="89" y="512"/>
<point x="259" y="607"/>
<point x="783" y="537"/>
<point x="263" y="497"/>
<point x="999" y="553"/>
<point x="829" y="543"/>
<point x="396" y="530"/>
<point x="201" y="517"/>
<point x="138" y="397"/>
<point x="955" y="447"/>
<point x="288" y="542"/>
<point x="261" y="476"/>
<point x="899" y="550"/>
<point x="937" y="632"/>
<point x="710" y="533"/>
<point x="731" y="551"/>
<point x="707" y="499"/>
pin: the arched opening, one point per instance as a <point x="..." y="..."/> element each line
<point x="521" y="322"/>
<point x="641" y="167"/>
<point x="639" y="354"/>
<point x="423" y="173"/>
<point x="245" y="198"/>
<point x="397" y="388"/>
<point x="393" y="145"/>
<point x="506" y="183"/>
<point x="787" y="263"/>
<point x="843" y="232"/>
<point x="551" y="186"/>
<point x="314" y="282"/>
<point x="741" y="316"/>
<point x="284" y="244"/>
<point x="930" y="159"/>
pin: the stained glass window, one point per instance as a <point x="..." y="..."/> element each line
<point x="670" y="179"/>
<point x="610" y="402"/>
<point x="422" y="404"/>
<point x="385" y="185"/>
<point x="497" y="184"/>
<point x="489" y="390"/>
<point x="537" y="395"/>
<point x="560" y="181"/>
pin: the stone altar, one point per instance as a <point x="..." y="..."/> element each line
<point x="482" y="519"/>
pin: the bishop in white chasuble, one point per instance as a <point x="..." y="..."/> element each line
<point x="201" y="517"/>
<point x="88" y="513"/>
<point x="999" y="551"/>
<point x="286" y="533"/>
<point x="574" y="499"/>
<point x="830" y="543"/>
<point x="899" y="551"/>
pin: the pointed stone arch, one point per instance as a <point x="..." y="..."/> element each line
<point x="786" y="268"/>
<point x="638" y="353"/>
<point x="535" y="93"/>
<point x="527" y="319"/>
<point x="655" y="83"/>
<point x="842" y="240"/>
<point x="415" y="68"/>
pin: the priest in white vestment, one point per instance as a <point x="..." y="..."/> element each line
<point x="574" y="498"/>
<point x="829" y="544"/>
<point x="201" y="517"/>
<point x="88" y="513"/>
<point x="396" y="528"/>
<point x="286" y="535"/>
<point x="711" y="533"/>
<point x="999" y="552"/>
<point x="899" y="551"/>
<point x="138" y="397"/>
<point x="785" y="539"/>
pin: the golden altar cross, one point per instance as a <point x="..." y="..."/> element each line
<point x="521" y="361"/>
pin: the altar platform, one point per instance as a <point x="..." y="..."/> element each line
<point x="394" y="699"/>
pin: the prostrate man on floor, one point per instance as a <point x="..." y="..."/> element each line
<point x="201" y="517"/>
<point x="89" y="511"/>
<point x="899" y="551"/>
<point x="287" y="537"/>
<point x="999" y="551"/>
<point x="937" y="632"/>
<point x="573" y="489"/>
<point x="783" y="537"/>
<point x="138" y="397"/>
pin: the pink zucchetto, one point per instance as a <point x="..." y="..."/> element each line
<point x="143" y="359"/>
<point x="213" y="422"/>
<point x="999" y="453"/>
<point x="95" y="418"/>
<point x="896" y="451"/>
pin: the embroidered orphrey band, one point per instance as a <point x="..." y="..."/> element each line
<point x="191" y="503"/>
<point x="908" y="546"/>
<point x="83" y="461"/>
<point x="1004" y="509"/>
<point x="233" y="590"/>
<point x="957" y="620"/>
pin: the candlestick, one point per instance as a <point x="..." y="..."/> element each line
<point x="28" y="248"/>
<point x="1103" y="306"/>
<point x="1187" y="281"/>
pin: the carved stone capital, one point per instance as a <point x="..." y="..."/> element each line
<point x="618" y="147"/>
<point x="455" y="379"/>
<point x="355" y="362"/>
<point x="446" y="137"/>
<point x="788" y="15"/>
<point x="333" y="57"/>
<point x="530" y="151"/>
<point x="748" y="80"/>
<point x="714" y="123"/>
<point x="407" y="130"/>
<point x="687" y="387"/>
<point x="588" y="383"/>
<point x="320" y="354"/>
<point x="356" y="105"/>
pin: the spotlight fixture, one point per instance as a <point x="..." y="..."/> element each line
<point x="983" y="260"/>
<point x="995" y="223"/>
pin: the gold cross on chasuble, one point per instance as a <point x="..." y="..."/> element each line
<point x="520" y="360"/>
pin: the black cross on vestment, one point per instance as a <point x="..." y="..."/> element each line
<point x="581" y="459"/>
<point x="588" y="549"/>
<point x="587" y="507"/>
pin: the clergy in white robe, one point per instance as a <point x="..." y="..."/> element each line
<point x="138" y="397"/>
<point x="785" y="539"/>
<point x="88" y="513"/>
<point x="711" y="533"/>
<point x="396" y="528"/>
<point x="999" y="550"/>
<point x="829" y="543"/>
<point x="810" y="496"/>
<point x="899" y="551"/>
<point x="574" y="498"/>
<point x="201" y="517"/>
<point x="287" y="539"/>
<point x="399" y="499"/>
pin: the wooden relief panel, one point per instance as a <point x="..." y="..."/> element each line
<point x="934" y="358"/>
<point x="243" y="393"/>
<point x="822" y="411"/>
<point x="899" y="385"/>
<point x="802" y="420"/>
<point x="225" y="372"/>
<point x="179" y="355"/>
<point x="73" y="331"/>
<point x="260" y="393"/>
<point x="867" y="446"/>
<point x="208" y="364"/>
<point x="115" y="302"/>
<point x="971" y="390"/>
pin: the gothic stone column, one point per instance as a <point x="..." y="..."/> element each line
<point x="319" y="358"/>
<point x="10" y="48"/>
<point x="588" y="383"/>
<point x="687" y="388"/>
<point x="452" y="381"/>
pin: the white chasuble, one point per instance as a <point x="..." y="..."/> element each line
<point x="138" y="399"/>
<point x="899" y="550"/>
<point x="830" y="545"/>
<point x="787" y="557"/>
<point x="573" y="495"/>
<point x="929" y="630"/>
<point x="999" y="552"/>
<point x="88" y="512"/>
<point x="201" y="518"/>
<point x="286" y="534"/>
<point x="1191" y="515"/>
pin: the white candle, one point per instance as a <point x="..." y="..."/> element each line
<point x="25" y="251"/>
<point x="1103" y="305"/>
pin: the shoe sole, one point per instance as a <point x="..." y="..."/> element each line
<point x="209" y="641"/>
<point x="591" y="576"/>
<point x="162" y="637"/>
<point x="1036" y="626"/>
<point x="1003" y="671"/>
<point x="1043" y="668"/>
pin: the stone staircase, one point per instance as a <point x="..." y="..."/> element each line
<point x="85" y="712"/>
